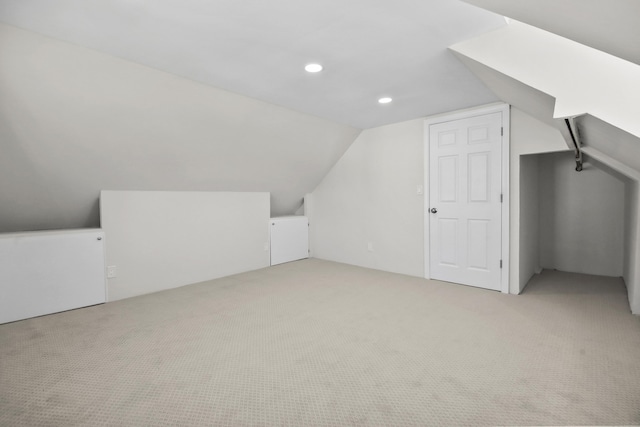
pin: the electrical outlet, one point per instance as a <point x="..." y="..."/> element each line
<point x="370" y="247"/>
<point x="111" y="272"/>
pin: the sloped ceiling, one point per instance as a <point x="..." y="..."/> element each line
<point x="210" y="95"/>
<point x="585" y="66"/>
<point x="610" y="26"/>
<point x="74" y="121"/>
<point x="258" y="48"/>
<point x="610" y="140"/>
<point x="580" y="78"/>
<point x="576" y="78"/>
<point x="514" y="92"/>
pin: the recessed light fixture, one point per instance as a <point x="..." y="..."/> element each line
<point x="385" y="100"/>
<point x="313" y="68"/>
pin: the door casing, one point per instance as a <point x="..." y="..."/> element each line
<point x="464" y="114"/>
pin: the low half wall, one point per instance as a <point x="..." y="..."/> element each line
<point x="158" y="240"/>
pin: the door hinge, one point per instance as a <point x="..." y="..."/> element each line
<point x="501" y="197"/>
<point x="502" y="131"/>
<point x="500" y="263"/>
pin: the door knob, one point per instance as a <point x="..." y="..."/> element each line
<point x="434" y="210"/>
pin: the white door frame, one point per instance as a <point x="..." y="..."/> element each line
<point x="464" y="114"/>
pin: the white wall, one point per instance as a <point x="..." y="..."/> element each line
<point x="581" y="217"/>
<point x="370" y="197"/>
<point x="631" y="241"/>
<point x="631" y="269"/>
<point x="529" y="218"/>
<point x="159" y="240"/>
<point x="528" y="136"/>
<point x="75" y="121"/>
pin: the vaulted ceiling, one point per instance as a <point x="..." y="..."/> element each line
<point x="369" y="48"/>
<point x="212" y="95"/>
<point x="553" y="77"/>
<point x="610" y="26"/>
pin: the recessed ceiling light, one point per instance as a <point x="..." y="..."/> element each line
<point x="385" y="100"/>
<point x="313" y="68"/>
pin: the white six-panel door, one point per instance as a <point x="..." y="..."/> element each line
<point x="465" y="175"/>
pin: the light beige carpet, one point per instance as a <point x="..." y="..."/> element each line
<point x="316" y="343"/>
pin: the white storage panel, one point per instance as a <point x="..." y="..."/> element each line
<point x="289" y="238"/>
<point x="50" y="271"/>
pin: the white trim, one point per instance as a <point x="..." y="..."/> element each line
<point x="506" y="121"/>
<point x="464" y="114"/>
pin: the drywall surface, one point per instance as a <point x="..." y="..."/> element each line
<point x="581" y="218"/>
<point x="610" y="26"/>
<point x="367" y="211"/>
<point x="631" y="179"/>
<point x="619" y="152"/>
<point x="582" y="79"/>
<point x="75" y="121"/>
<point x="615" y="143"/>
<point x="370" y="197"/>
<point x="258" y="48"/>
<point x="631" y="269"/>
<point x="529" y="219"/>
<point x="515" y="93"/>
<point x="160" y="240"/>
<point x="528" y="136"/>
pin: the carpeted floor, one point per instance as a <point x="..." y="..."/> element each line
<point x="316" y="343"/>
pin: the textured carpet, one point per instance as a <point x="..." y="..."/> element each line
<point x="316" y="343"/>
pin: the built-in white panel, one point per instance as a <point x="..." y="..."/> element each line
<point x="50" y="271"/>
<point x="162" y="239"/>
<point x="289" y="239"/>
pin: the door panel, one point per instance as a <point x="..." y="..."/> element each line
<point x="479" y="177"/>
<point x="448" y="177"/>
<point x="477" y="240"/>
<point x="465" y="185"/>
<point x="448" y="228"/>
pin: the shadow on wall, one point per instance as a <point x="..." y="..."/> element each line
<point x="581" y="217"/>
<point x="555" y="282"/>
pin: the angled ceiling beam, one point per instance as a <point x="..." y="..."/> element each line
<point x="610" y="26"/>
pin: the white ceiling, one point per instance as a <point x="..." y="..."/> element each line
<point x="610" y="26"/>
<point x="369" y="48"/>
